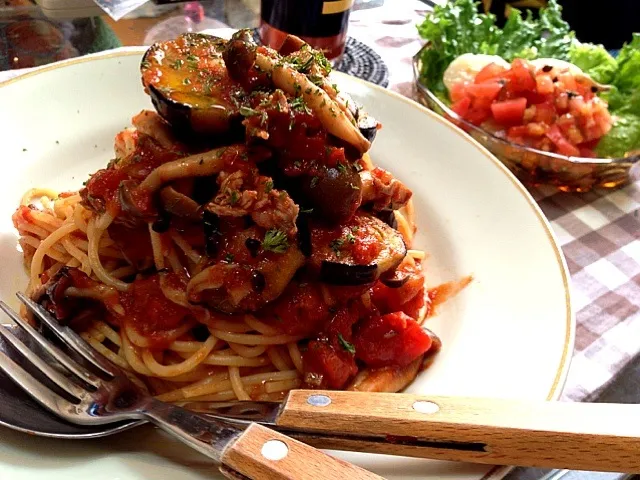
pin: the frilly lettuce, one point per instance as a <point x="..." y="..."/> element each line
<point x="457" y="27"/>
<point x="594" y="60"/>
<point x="627" y="78"/>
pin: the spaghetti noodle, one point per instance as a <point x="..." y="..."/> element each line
<point x="186" y="264"/>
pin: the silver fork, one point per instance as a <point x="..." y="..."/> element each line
<point x="256" y="452"/>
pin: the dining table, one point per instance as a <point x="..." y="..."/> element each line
<point x="598" y="231"/>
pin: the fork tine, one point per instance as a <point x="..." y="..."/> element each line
<point x="56" y="377"/>
<point x="52" y="350"/>
<point x="71" y="338"/>
<point x="48" y="399"/>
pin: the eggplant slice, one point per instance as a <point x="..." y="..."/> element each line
<point x="355" y="253"/>
<point x="190" y="86"/>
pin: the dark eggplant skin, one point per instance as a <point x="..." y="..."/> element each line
<point x="388" y="216"/>
<point x="368" y="125"/>
<point x="335" y="194"/>
<point x="337" y="273"/>
<point x="332" y="258"/>
<point x="176" y="84"/>
<point x="396" y="279"/>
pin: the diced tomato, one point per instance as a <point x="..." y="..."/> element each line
<point x="544" y="84"/>
<point x="300" y="310"/>
<point x="520" y="77"/>
<point x="461" y="107"/>
<point x="487" y="91"/>
<point x="394" y="339"/>
<point x="545" y="113"/>
<point x="490" y="72"/>
<point x="564" y="147"/>
<point x="587" y="152"/>
<point x="327" y="365"/>
<point x="478" y="115"/>
<point x="388" y="300"/>
<point x="457" y="91"/>
<point x="517" y="131"/>
<point x="526" y="103"/>
<point x="509" y="112"/>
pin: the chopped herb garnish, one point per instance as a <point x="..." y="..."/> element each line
<point x="186" y="81"/>
<point x="299" y="104"/>
<point x="251" y="112"/>
<point x="268" y="186"/>
<point x="316" y="80"/>
<point x="350" y="237"/>
<point x="314" y="182"/>
<point x="177" y="64"/>
<point x="275" y="241"/>
<point x="233" y="197"/>
<point x="228" y="257"/>
<point x="358" y="166"/>
<point x="297" y="163"/>
<point x="306" y="210"/>
<point x="145" y="64"/>
<point x="346" y="345"/>
<point x="336" y="245"/>
<point x="308" y="91"/>
<point x="341" y="168"/>
<point x="248" y="112"/>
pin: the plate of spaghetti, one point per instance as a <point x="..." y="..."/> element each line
<point x="262" y="224"/>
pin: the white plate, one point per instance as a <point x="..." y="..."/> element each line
<point x="509" y="334"/>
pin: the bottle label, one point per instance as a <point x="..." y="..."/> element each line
<point x="307" y="18"/>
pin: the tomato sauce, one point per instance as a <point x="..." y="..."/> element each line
<point x="149" y="312"/>
<point x="101" y="192"/>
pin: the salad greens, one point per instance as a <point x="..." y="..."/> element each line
<point x="458" y="27"/>
<point x="594" y="60"/>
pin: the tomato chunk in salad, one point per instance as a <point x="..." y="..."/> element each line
<point x="547" y="108"/>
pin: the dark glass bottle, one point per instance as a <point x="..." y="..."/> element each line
<point x="322" y="24"/>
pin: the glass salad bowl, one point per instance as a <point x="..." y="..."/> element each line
<point x="532" y="166"/>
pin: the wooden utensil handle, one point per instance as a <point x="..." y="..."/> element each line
<point x="263" y="454"/>
<point x="583" y="436"/>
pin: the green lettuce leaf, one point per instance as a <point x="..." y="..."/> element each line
<point x="556" y="36"/>
<point x="451" y="30"/>
<point x="594" y="60"/>
<point x="622" y="138"/>
<point x="627" y="78"/>
<point x="519" y="36"/>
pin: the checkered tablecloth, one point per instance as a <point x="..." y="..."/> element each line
<point x="599" y="232"/>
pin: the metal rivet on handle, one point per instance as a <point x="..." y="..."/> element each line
<point x="422" y="406"/>
<point x="274" y="450"/>
<point x="319" y="400"/>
